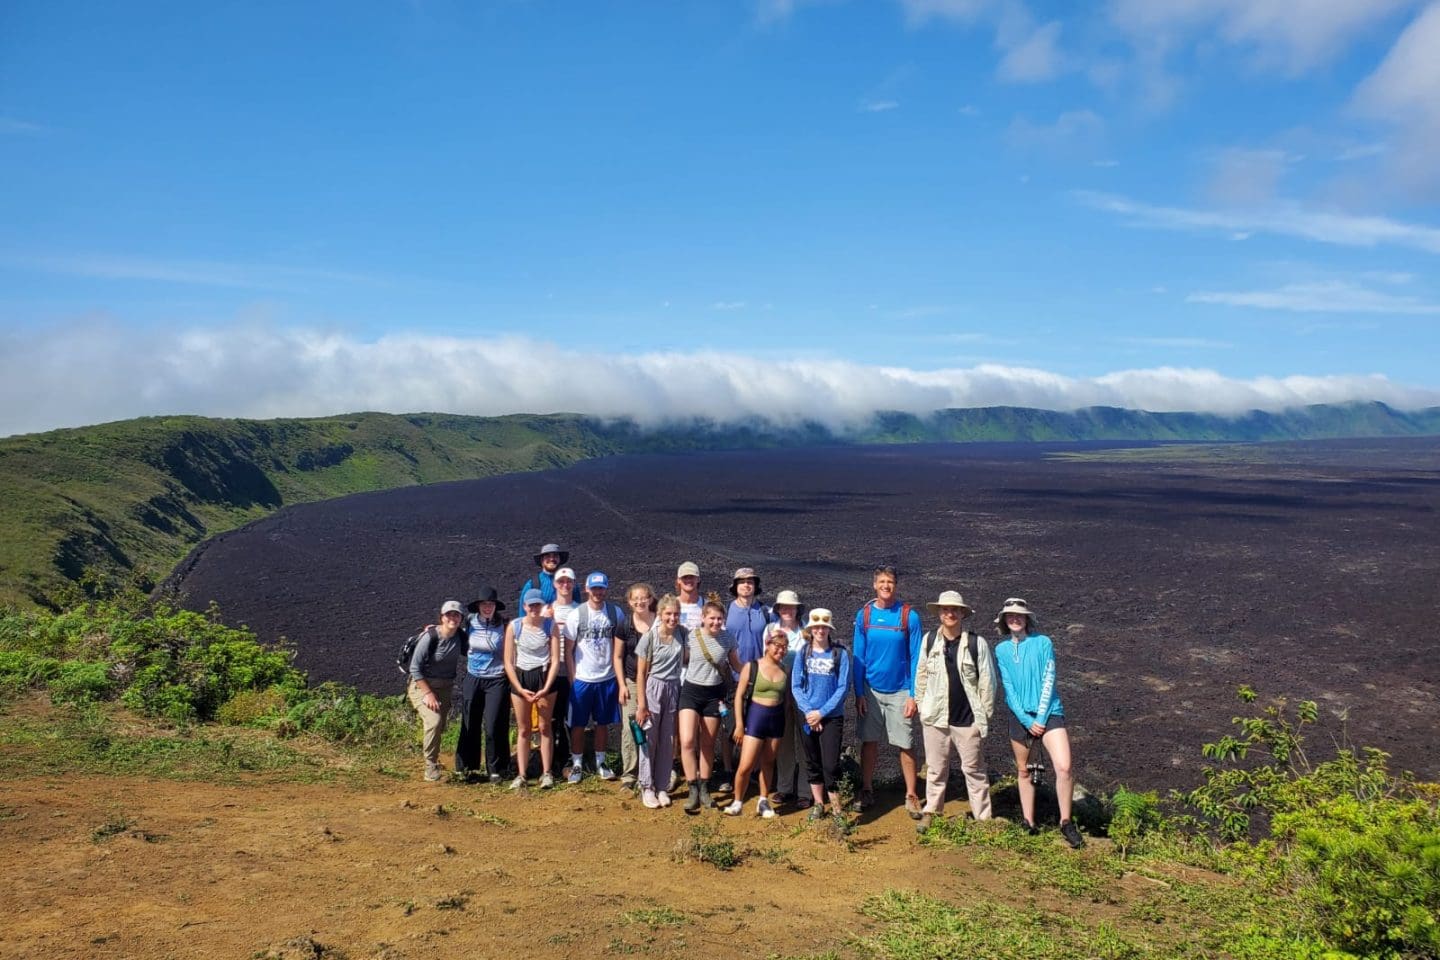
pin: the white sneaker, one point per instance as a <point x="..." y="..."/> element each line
<point x="546" y="782"/>
<point x="762" y="807"/>
<point x="604" y="772"/>
<point x="575" y="774"/>
<point x="518" y="783"/>
<point x="733" y="809"/>
<point x="664" y="798"/>
<point x="650" y="800"/>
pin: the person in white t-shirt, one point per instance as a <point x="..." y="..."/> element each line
<point x="592" y="633"/>
<point x="687" y="591"/>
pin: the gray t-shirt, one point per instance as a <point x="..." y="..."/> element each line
<point x="439" y="666"/>
<point x="698" y="669"/>
<point x="666" y="659"/>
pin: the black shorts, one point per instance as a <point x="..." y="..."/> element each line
<point x="532" y="680"/>
<point x="703" y="698"/>
<point x="765" y="722"/>
<point x="1021" y="735"/>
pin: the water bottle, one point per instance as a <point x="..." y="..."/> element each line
<point x="724" y="710"/>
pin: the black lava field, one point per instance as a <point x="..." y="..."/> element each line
<point x="1305" y="570"/>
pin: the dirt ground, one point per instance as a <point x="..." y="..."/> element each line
<point x="1310" y="570"/>
<point x="116" y="867"/>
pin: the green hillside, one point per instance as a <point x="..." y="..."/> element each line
<point x="131" y="498"/>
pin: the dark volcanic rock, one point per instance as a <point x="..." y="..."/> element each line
<point x="1310" y="571"/>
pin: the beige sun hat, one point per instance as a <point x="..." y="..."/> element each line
<point x="1016" y="605"/>
<point x="951" y="598"/>
<point x="787" y="598"/>
<point x="819" y="617"/>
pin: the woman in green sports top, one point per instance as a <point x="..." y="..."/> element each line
<point x="766" y="682"/>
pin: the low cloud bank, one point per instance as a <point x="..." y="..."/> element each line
<point x="101" y="373"/>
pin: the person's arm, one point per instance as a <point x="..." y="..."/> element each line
<point x="417" y="662"/>
<point x="554" y="670"/>
<point x="1047" y="683"/>
<point x="858" y="652"/>
<point x="802" y="698"/>
<point x="917" y="634"/>
<point x="642" y="670"/>
<point x="570" y="641"/>
<point x="984" y="678"/>
<point x="617" y="655"/>
<point x="739" y="705"/>
<point x="836" y="700"/>
<point x="511" y="635"/>
<point x="920" y="683"/>
<point x="1012" y="697"/>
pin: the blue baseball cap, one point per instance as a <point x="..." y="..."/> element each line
<point x="532" y="596"/>
<point x="597" y="579"/>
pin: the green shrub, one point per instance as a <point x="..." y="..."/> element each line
<point x="252" y="707"/>
<point x="80" y="680"/>
<point x="21" y="670"/>
<point x="1133" y="816"/>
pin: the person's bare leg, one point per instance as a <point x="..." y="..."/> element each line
<point x="907" y="771"/>
<point x="689" y="726"/>
<point x="547" y="742"/>
<point x="749" y="748"/>
<point x="522" y="737"/>
<point x="1023" y="783"/>
<point x="1057" y="744"/>
<point x="869" y="756"/>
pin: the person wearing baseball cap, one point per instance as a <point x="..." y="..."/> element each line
<point x="565" y="600"/>
<point x="955" y="693"/>
<point x="593" y="634"/>
<point x="687" y="590"/>
<point x="433" y="665"/>
<point x="549" y="559"/>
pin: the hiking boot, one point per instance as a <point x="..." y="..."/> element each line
<point x="664" y="797"/>
<point x="765" y="808"/>
<point x="817" y="812"/>
<point x="1030" y="828"/>
<point x="864" y="801"/>
<point x="705" y="799"/>
<point x="692" y="803"/>
<point x="733" y="808"/>
<point x="924" y="822"/>
<point x="604" y="772"/>
<point x="495" y="778"/>
<point x="1071" y="834"/>
<point x="650" y="800"/>
<point x="546" y="781"/>
<point x="912" y="806"/>
<point x="433" y="772"/>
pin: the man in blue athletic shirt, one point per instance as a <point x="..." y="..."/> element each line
<point x="886" y="650"/>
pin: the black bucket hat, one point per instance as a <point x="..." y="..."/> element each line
<point x="553" y="548"/>
<point x="488" y="594"/>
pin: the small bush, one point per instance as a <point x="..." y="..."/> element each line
<point x="252" y="707"/>
<point x="80" y="680"/>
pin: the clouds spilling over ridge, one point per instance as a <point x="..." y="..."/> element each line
<point x="101" y="373"/>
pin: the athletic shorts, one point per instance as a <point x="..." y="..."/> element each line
<point x="1021" y="735"/>
<point x="885" y="719"/>
<point x="532" y="680"/>
<point x="597" y="702"/>
<point x="765" y="722"/>
<point x="703" y="698"/>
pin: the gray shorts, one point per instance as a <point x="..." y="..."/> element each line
<point x="885" y="719"/>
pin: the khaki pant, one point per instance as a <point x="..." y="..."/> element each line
<point x="967" y="743"/>
<point x="629" y="752"/>
<point x="432" y="722"/>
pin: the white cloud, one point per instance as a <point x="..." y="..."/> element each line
<point x="1034" y="59"/>
<point x="1176" y="343"/>
<point x="1328" y="297"/>
<point x="728" y="305"/>
<point x="969" y="110"/>
<point x="1405" y="92"/>
<point x="1292" y="36"/>
<point x="869" y="105"/>
<point x="259" y="371"/>
<point x="1074" y="129"/>
<point x="1289" y="220"/>
<point x="1244" y="176"/>
<point x="920" y="11"/>
<point x="13" y="125"/>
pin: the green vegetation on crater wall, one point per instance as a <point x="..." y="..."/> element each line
<point x="130" y="499"/>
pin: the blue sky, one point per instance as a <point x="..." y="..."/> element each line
<point x="663" y="209"/>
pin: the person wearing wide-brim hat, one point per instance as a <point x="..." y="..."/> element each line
<point x="484" y="691"/>
<point x="955" y="695"/>
<point x="1026" y="661"/>
<point x="820" y="679"/>
<point x="549" y="558"/>
<point x="791" y="783"/>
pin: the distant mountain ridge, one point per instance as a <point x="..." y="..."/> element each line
<point x="134" y="496"/>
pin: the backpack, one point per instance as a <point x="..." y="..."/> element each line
<point x="407" y="650"/>
<point x="904" y="619"/>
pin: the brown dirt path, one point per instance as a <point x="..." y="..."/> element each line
<point x="206" y="870"/>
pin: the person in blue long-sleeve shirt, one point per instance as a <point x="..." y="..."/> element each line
<point x="1025" y="658"/>
<point x="887" y="650"/>
<point x="549" y="559"/>
<point x="819" y="680"/>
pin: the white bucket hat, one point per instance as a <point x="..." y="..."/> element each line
<point x="787" y="598"/>
<point x="952" y="598"/>
<point x="819" y="617"/>
<point x="1016" y="605"/>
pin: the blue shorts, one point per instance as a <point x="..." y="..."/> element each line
<point x="765" y="722"/>
<point x="598" y="702"/>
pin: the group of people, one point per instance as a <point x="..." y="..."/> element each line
<point x="745" y="687"/>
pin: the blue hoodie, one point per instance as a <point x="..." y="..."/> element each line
<point x="818" y="683"/>
<point x="1027" y="668"/>
<point x="542" y="581"/>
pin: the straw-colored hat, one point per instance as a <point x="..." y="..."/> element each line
<point x="952" y="598"/>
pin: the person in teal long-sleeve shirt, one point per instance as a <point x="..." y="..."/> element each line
<point x="1026" y="661"/>
<point x="887" y="650"/>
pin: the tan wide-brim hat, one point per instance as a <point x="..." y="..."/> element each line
<point x="787" y="598"/>
<point x="819" y="617"/>
<point x="1016" y="605"/>
<point x="951" y="598"/>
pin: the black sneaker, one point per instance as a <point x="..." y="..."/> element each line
<point x="1071" y="834"/>
<point x="1030" y="828"/>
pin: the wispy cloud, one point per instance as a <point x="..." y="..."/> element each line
<point x="1034" y="58"/>
<point x="209" y="273"/>
<point x="260" y="371"/>
<point x="1176" y="343"/>
<point x="1073" y="130"/>
<point x="1330" y="297"/>
<point x="728" y="305"/>
<point x="868" y="105"/>
<point x="13" y="125"/>
<point x="1403" y="92"/>
<point x="1291" y="220"/>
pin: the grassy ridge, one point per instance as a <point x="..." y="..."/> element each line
<point x="130" y="499"/>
